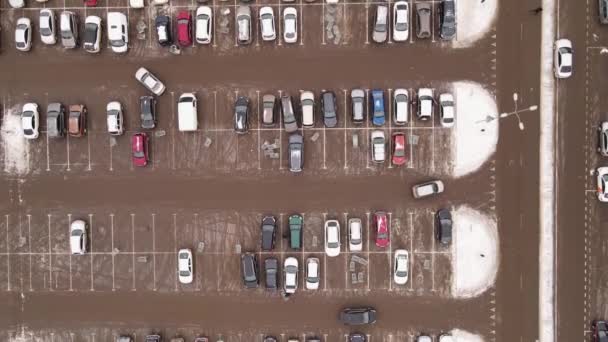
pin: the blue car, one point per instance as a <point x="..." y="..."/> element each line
<point x="378" y="107"/>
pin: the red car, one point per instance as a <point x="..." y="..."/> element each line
<point x="139" y="147"/>
<point x="382" y="234"/>
<point x="90" y="3"/>
<point x="184" y="28"/>
<point x="399" y="157"/>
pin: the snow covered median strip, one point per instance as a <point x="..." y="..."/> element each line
<point x="474" y="253"/>
<point x="16" y="149"/>
<point x="474" y="18"/>
<point x="475" y="135"/>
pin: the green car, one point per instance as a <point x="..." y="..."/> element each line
<point x="295" y="231"/>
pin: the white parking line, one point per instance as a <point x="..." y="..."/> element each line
<point x="133" y="288"/>
<point x="390" y="252"/>
<point x="111" y="150"/>
<point x="173" y="131"/>
<point x="369" y="266"/>
<point x="345" y="119"/>
<point x="48" y="158"/>
<point x="280" y="25"/>
<point x="91" y="233"/>
<point x="154" y="250"/>
<point x="411" y="22"/>
<point x="367" y="127"/>
<point x="259" y="141"/>
<point x="324" y="256"/>
<point x="432" y="23"/>
<point x="69" y="223"/>
<point x="301" y="23"/>
<point x="433" y="250"/>
<point x="280" y="135"/>
<point x="29" y="242"/>
<point x="344" y="20"/>
<point x="389" y="31"/>
<point x="175" y="245"/>
<point x="433" y="135"/>
<point x="412" y="113"/>
<point x="411" y="215"/>
<point x="67" y="146"/>
<point x="323" y="23"/>
<point x="50" y="253"/>
<point x="113" y="252"/>
<point x="215" y="118"/>
<point x="346" y="272"/>
<point x="390" y="126"/>
<point x="366" y="21"/>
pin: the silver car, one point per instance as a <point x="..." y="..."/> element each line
<point x="150" y="81"/>
<point x="423" y="19"/>
<point x="289" y="117"/>
<point x="268" y="104"/>
<point x="380" y="24"/>
<point x="602" y="147"/>
<point x="296" y="152"/>
<point x="243" y="23"/>
<point x="357" y="98"/>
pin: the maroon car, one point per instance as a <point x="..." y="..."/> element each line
<point x="90" y="3"/>
<point x="139" y="149"/>
<point x="382" y="234"/>
<point x="184" y="28"/>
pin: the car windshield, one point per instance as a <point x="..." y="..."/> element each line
<point x="162" y="33"/>
<point x="74" y="114"/>
<point x="184" y="273"/>
<point x="76" y="232"/>
<point x="184" y="255"/>
<point x="182" y="22"/>
<point x="290" y="25"/>
<point x="149" y="81"/>
<point x="399" y="152"/>
<point x="90" y="33"/>
<point x="117" y="42"/>
<point x="382" y="235"/>
<point x="566" y="68"/>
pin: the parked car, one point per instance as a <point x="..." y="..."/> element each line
<point x="358" y="316"/>
<point x="77" y="120"/>
<point x="30" y="120"/>
<point x="563" y="58"/>
<point x="357" y="99"/>
<point x="55" y="120"/>
<point x="148" y="80"/>
<point x="600" y="331"/>
<point x="118" y="32"/>
<point x="380" y="32"/>
<point x="114" y="118"/>
<point x="267" y="23"/>
<point x="443" y="226"/>
<point x="270" y="339"/>
<point x="332" y="238"/>
<point x="356" y="337"/>
<point x="307" y="100"/>
<point x="290" y="272"/>
<point x="445" y="337"/>
<point x="424" y="338"/>
<point x="139" y="149"/>
<point x="447" y="112"/>
<point x="401" y="103"/>
<point x="427" y="189"/>
<point x="378" y="112"/>
<point x="269" y="103"/>
<point x="241" y="115"/>
<point x="296" y="152"/>
<point x="147" y="105"/>
<point x="185" y="268"/>
<point x="401" y="266"/>
<point x="296" y="223"/>
<point x="269" y="230"/>
<point x="399" y="156"/>
<point x="289" y="117"/>
<point x="401" y="21"/>
<point x="204" y="25"/>
<point x="378" y="142"/>
<point x="187" y="113"/>
<point x="425" y="103"/>
<point x="124" y="338"/>
<point x="163" y="30"/>
<point x="290" y="25"/>
<point x="136" y="3"/>
<point x="243" y="23"/>
<point x="184" y="28"/>
<point x="313" y="273"/>
<point x="90" y="3"/>
<point x="46" y="26"/>
<point x="153" y="338"/>
<point x="23" y="34"/>
<point x="92" y="34"/>
<point x="602" y="184"/>
<point x="330" y="108"/>
<point x="355" y="235"/>
<point x="603" y="11"/>
<point x="68" y="29"/>
<point x="447" y="20"/>
<point x="16" y="3"/>
<point x="271" y="268"/>
<point x="382" y="231"/>
<point x="602" y="147"/>
<point x="249" y="270"/>
<point x="78" y="237"/>
<point x="423" y="19"/>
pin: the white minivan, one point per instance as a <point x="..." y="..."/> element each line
<point x="186" y="113"/>
<point x="118" y="32"/>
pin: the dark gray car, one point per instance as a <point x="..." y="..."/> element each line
<point x="358" y="316"/>
<point x="249" y="270"/>
<point x="269" y="104"/>
<point x="603" y="11"/>
<point x="289" y="117"/>
<point x="55" y="120"/>
<point x="423" y="19"/>
<point x="148" y="112"/>
<point x="448" y="20"/>
<point x="269" y="228"/>
<point x="241" y="115"/>
<point x="443" y="231"/>
<point x="329" y="108"/>
<point x="296" y="152"/>
<point x="271" y="267"/>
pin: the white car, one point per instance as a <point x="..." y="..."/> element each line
<point x="136" y="3"/>
<point x="290" y="271"/>
<point x="446" y="338"/>
<point x="563" y="58"/>
<point x="23" y="34"/>
<point x="267" y="24"/>
<point x="427" y="189"/>
<point x="184" y="266"/>
<point x="290" y="25"/>
<point x="401" y="18"/>
<point x="378" y="142"/>
<point x="78" y="237"/>
<point x="204" y="24"/>
<point x="447" y="111"/>
<point x="16" y="3"/>
<point x="401" y="267"/>
<point x="332" y="1"/>
<point x="307" y="100"/>
<point x="159" y="2"/>
<point x="114" y="118"/>
<point x="602" y="184"/>
<point x="424" y="338"/>
<point x="30" y="120"/>
<point x="92" y="34"/>
<point x="46" y="26"/>
<point x="118" y="32"/>
<point x="150" y="81"/>
<point x="425" y="103"/>
<point x="355" y="235"/>
<point x="187" y="119"/>
<point x="313" y="273"/>
<point x="332" y="238"/>
<point x="401" y="100"/>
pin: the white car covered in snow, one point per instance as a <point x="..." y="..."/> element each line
<point x="204" y="25"/>
<point x="378" y="141"/>
<point x="267" y="24"/>
<point x="401" y="19"/>
<point x="29" y="120"/>
<point x="445" y="337"/>
<point x="313" y="273"/>
<point x="401" y="267"/>
<point x="290" y="271"/>
<point x="185" y="268"/>
<point x="332" y="238"/>
<point x="307" y="100"/>
<point x="187" y="112"/>
<point x="602" y="184"/>
<point x="355" y="235"/>
<point x="46" y="26"/>
<point x="401" y="99"/>
<point x="23" y="34"/>
<point x="136" y="3"/>
<point x="563" y="58"/>
<point x="447" y="110"/>
<point x="16" y="3"/>
<point x="78" y="237"/>
<point x="290" y="25"/>
<point x="425" y="104"/>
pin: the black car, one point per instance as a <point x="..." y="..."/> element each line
<point x="163" y="30"/>
<point x="447" y="20"/>
<point x="249" y="270"/>
<point x="241" y="114"/>
<point x="148" y="112"/>
<point x="271" y="267"/>
<point x="443" y="230"/>
<point x="600" y="331"/>
<point x="329" y="108"/>
<point x="358" y="316"/>
<point x="269" y="228"/>
<point x="55" y="120"/>
<point x="356" y="337"/>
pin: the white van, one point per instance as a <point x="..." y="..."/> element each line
<point x="68" y="29"/>
<point x="118" y="32"/>
<point x="187" y="113"/>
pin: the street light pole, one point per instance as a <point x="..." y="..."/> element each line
<point x="517" y="111"/>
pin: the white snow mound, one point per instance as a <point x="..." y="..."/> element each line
<point x="15" y="147"/>
<point x="474" y="18"/>
<point x="475" y="134"/>
<point x="475" y="252"/>
<point x="465" y="336"/>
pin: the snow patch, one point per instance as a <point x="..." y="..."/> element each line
<point x="475" y="134"/>
<point x="465" y="336"/>
<point x="475" y="252"/>
<point x="474" y="18"/>
<point x="15" y="146"/>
